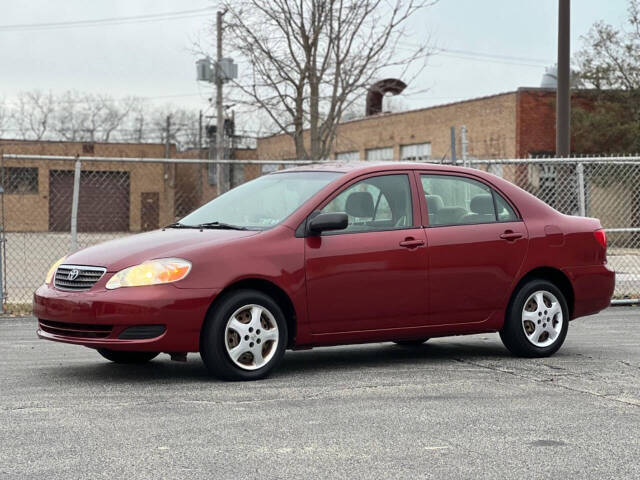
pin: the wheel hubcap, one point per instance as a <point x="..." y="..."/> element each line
<point x="542" y="318"/>
<point x="251" y="337"/>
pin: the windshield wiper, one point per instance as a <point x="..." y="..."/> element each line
<point x="212" y="225"/>
<point x="180" y="225"/>
<point x="221" y="225"/>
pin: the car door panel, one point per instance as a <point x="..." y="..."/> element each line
<point x="373" y="275"/>
<point x="472" y="269"/>
<point x="366" y="281"/>
<point x="472" y="266"/>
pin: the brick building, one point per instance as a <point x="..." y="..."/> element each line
<point x="505" y="125"/>
<point x="196" y="183"/>
<point x="116" y="196"/>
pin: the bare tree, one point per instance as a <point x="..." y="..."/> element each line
<point x="311" y="59"/>
<point x="32" y="114"/>
<point x="94" y="118"/>
<point x="83" y="117"/>
<point x="609" y="63"/>
<point x="610" y="57"/>
<point x="183" y="126"/>
<point x="4" y="117"/>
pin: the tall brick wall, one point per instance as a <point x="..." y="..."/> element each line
<point x="536" y="122"/>
<point x="536" y="119"/>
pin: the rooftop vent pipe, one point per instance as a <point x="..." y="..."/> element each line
<point x="378" y="90"/>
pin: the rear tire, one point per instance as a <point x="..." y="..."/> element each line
<point x="244" y="337"/>
<point x="410" y="343"/>
<point x="129" y="358"/>
<point x="537" y="320"/>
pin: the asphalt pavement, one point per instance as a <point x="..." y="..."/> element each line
<point x="457" y="407"/>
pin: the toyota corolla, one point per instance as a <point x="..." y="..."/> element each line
<point x="334" y="254"/>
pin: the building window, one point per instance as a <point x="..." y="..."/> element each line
<point x="418" y="152"/>
<point x="379" y="154"/>
<point x="348" y="156"/>
<point x="87" y="148"/>
<point x="20" y="179"/>
<point x="212" y="173"/>
<point x="237" y="175"/>
<point x="269" y="167"/>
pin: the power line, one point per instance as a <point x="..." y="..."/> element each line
<point x="71" y="101"/>
<point x="483" y="56"/>
<point x="496" y="56"/>
<point x="490" y="60"/>
<point x="153" y="17"/>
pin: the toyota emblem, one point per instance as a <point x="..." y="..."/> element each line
<point x="73" y="274"/>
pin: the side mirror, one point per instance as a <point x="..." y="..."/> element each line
<point x="328" y="221"/>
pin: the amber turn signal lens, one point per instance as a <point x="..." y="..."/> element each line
<point x="153" y="272"/>
<point x="52" y="270"/>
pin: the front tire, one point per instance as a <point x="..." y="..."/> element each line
<point x="537" y="320"/>
<point x="127" y="358"/>
<point x="244" y="337"/>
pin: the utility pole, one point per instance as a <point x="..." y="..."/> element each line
<point x="222" y="176"/>
<point x="169" y="170"/>
<point x="563" y="95"/>
<point x="199" y="132"/>
<point x="463" y="142"/>
<point x="167" y="137"/>
<point x="219" y="72"/>
<point x="453" y="145"/>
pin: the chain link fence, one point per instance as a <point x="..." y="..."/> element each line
<point x="52" y="205"/>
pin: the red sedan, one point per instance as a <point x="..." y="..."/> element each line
<point x="334" y="254"/>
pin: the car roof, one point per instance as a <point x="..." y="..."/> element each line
<point x="359" y="167"/>
<point x="528" y="205"/>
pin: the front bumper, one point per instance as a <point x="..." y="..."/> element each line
<point x="180" y="311"/>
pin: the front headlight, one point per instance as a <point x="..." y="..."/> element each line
<point x="153" y="272"/>
<point x="52" y="270"/>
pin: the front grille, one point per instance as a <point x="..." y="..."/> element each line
<point x="78" y="330"/>
<point x="66" y="278"/>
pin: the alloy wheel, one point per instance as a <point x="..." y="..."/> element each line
<point x="542" y="318"/>
<point x="251" y="337"/>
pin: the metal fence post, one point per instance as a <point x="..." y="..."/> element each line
<point x="582" y="204"/>
<point x="2" y="235"/>
<point x="74" y="206"/>
<point x="1" y="252"/>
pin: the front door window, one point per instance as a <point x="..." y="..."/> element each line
<point x="375" y="204"/>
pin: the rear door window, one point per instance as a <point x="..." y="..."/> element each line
<point x="456" y="200"/>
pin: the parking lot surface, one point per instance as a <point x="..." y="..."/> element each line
<point x="457" y="407"/>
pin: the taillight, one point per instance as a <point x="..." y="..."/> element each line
<point x="601" y="237"/>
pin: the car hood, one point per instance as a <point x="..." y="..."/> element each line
<point x="134" y="249"/>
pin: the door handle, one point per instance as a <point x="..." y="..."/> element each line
<point x="411" y="243"/>
<point x="510" y="236"/>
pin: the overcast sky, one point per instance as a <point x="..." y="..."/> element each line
<point x="154" y="58"/>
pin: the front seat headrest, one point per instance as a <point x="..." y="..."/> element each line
<point x="434" y="203"/>
<point x="482" y="204"/>
<point x="360" y="204"/>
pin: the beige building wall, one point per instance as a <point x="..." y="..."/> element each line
<point x="490" y="123"/>
<point x="194" y="178"/>
<point x="29" y="212"/>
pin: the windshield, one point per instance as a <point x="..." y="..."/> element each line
<point x="263" y="202"/>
